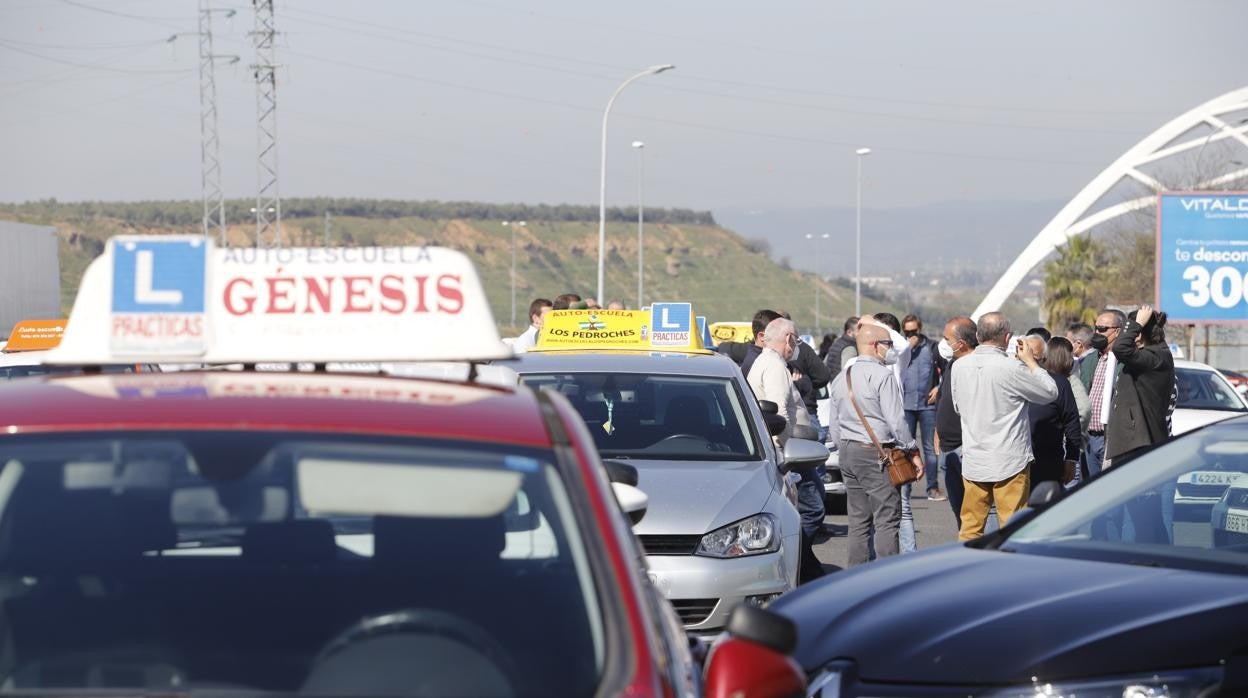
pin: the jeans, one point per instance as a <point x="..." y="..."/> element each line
<point x="1094" y="455"/>
<point x="810" y="501"/>
<point x="909" y="544"/>
<point x="926" y="421"/>
<point x="870" y="500"/>
<point x="952" y="463"/>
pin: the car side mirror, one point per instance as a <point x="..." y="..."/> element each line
<point x="754" y="660"/>
<point x="632" y="501"/>
<point x="1045" y="494"/>
<point x="804" y="453"/>
<point x="623" y="479"/>
<point x="771" y="417"/>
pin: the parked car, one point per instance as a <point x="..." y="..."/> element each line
<point x="311" y="532"/>
<point x="1204" y="397"/>
<point x="1088" y="592"/>
<point x="721" y="529"/>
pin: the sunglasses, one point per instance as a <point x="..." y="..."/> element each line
<point x="911" y="333"/>
<point x="1105" y="328"/>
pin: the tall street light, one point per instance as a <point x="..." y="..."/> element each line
<point x="602" y="189"/>
<point x="818" y="278"/>
<point x="513" y="225"/>
<point x="641" y="216"/>
<point x="861" y="153"/>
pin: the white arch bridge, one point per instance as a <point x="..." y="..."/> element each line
<point x="1175" y="138"/>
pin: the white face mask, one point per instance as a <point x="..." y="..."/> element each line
<point x="946" y="351"/>
<point x="891" y="357"/>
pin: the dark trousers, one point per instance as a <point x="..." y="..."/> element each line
<point x="926" y="422"/>
<point x="810" y="507"/>
<point x="952" y="461"/>
<point x="870" y="501"/>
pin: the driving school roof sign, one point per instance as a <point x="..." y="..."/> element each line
<point x="178" y="298"/>
<point x="636" y="330"/>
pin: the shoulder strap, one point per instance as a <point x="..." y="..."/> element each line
<point x="849" y="389"/>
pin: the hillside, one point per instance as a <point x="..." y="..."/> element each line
<point x="715" y="269"/>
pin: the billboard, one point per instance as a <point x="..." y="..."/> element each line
<point x="1202" y="256"/>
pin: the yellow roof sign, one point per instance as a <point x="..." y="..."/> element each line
<point x="667" y="327"/>
<point x="35" y="335"/>
<point x="732" y="332"/>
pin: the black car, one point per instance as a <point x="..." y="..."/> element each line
<point x="1093" y="592"/>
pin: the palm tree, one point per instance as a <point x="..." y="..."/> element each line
<point x="1070" y="282"/>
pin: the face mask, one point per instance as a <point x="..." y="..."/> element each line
<point x="1099" y="342"/>
<point x="946" y="351"/>
<point x="891" y="357"/>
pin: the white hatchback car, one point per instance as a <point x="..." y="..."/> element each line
<point x="1204" y="397"/>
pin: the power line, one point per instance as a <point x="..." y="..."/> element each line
<point x="159" y="21"/>
<point x="89" y="66"/>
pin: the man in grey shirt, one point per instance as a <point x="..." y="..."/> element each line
<point x="990" y="392"/>
<point x="871" y="499"/>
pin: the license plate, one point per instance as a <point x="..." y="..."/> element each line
<point x="1214" y="478"/>
<point x="1237" y="523"/>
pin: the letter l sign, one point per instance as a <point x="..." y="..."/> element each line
<point x="143" y="291"/>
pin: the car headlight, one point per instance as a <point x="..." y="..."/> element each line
<point x="751" y="536"/>
<point x="1164" y="684"/>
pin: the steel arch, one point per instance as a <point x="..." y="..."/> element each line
<point x="1074" y="219"/>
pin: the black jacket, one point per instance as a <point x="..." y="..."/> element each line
<point x="948" y="422"/>
<point x="1141" y="404"/>
<point x="1056" y="435"/>
<point x="808" y="363"/>
<point x="833" y="359"/>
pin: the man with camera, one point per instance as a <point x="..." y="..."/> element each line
<point x="990" y="393"/>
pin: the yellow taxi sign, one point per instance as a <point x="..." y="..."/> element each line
<point x="35" y="335"/>
<point x="667" y="327"/>
<point x="732" y="332"/>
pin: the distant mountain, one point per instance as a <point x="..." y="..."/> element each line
<point x="946" y="235"/>
<point x="687" y="257"/>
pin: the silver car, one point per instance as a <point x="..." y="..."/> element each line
<point x="721" y="528"/>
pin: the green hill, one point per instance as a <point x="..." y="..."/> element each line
<point x="687" y="256"/>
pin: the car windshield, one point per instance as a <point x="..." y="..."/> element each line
<point x="1206" y="390"/>
<point x="1182" y="504"/>
<point x="271" y="562"/>
<point x="28" y="370"/>
<point x="656" y="416"/>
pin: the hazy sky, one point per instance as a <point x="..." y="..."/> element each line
<point x="501" y="100"/>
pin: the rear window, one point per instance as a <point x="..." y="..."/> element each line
<point x="1206" y="390"/>
<point x="279" y="562"/>
<point x="656" y="416"/>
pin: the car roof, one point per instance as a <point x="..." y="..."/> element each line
<point x="1188" y="364"/>
<point x="708" y="365"/>
<point x="22" y="358"/>
<point x="306" y="402"/>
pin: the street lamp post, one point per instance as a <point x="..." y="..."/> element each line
<point x="861" y="153"/>
<point x="641" y="216"/>
<point x="818" y="278"/>
<point x="517" y="224"/>
<point x="602" y="187"/>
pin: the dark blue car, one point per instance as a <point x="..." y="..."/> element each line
<point x="1097" y="592"/>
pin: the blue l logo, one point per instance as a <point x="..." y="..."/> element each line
<point x="158" y="276"/>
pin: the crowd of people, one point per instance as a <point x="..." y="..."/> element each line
<point x="998" y="412"/>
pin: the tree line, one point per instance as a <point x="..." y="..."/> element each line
<point x="181" y="213"/>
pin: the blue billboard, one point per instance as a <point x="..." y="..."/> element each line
<point x="1202" y="256"/>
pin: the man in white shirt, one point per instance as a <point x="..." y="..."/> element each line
<point x="990" y="392"/>
<point x="770" y="378"/>
<point x="537" y="310"/>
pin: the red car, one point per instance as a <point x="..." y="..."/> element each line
<point x="320" y="533"/>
